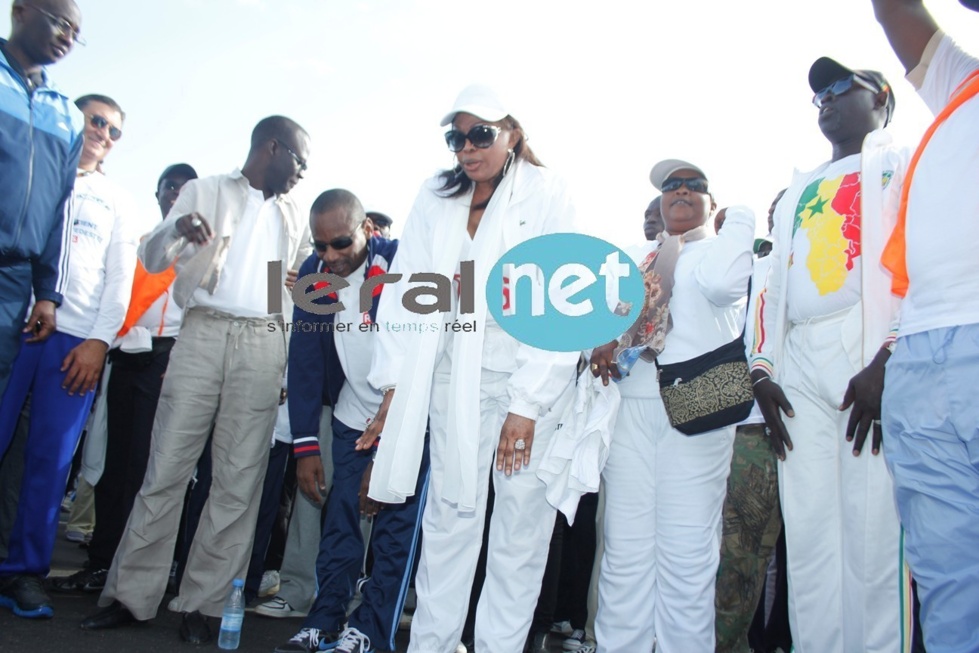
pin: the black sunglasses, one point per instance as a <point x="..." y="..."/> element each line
<point x="295" y="157"/>
<point x="481" y="136"/>
<point x="695" y="184"/>
<point x="101" y="123"/>
<point x="343" y="242"/>
<point x="841" y="86"/>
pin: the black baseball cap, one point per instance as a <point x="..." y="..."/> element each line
<point x="180" y="169"/>
<point x="824" y="71"/>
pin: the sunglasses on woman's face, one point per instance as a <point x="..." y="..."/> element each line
<point x="695" y="184"/>
<point x="101" y="123"/>
<point x="481" y="136"/>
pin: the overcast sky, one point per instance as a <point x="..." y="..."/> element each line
<point x="604" y="89"/>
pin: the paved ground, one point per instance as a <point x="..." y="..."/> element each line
<point x="62" y="634"/>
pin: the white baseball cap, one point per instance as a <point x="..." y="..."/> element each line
<point x="662" y="171"/>
<point x="480" y="101"/>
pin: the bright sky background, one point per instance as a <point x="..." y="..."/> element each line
<point x="604" y="89"/>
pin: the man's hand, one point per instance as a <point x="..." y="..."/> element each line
<point x="194" y="228"/>
<point x="368" y="507"/>
<point x="373" y="430"/>
<point x="41" y="323"/>
<point x="309" y="475"/>
<point x="83" y="366"/>
<point x="510" y="454"/>
<point x="602" y="364"/>
<point x="292" y="276"/>
<point x="771" y="400"/>
<point x="863" y="393"/>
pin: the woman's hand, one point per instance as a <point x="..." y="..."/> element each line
<point x="602" y="364"/>
<point x="373" y="430"/>
<point x="516" y="441"/>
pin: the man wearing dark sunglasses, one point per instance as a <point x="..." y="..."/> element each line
<point x="63" y="371"/>
<point x="826" y="322"/>
<point x="226" y="235"/>
<point x="329" y="364"/>
<point x="39" y="152"/>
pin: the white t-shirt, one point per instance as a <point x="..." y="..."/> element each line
<point x="243" y="287"/>
<point x="104" y="238"/>
<point x="943" y="204"/>
<point x="824" y="265"/>
<point x="358" y="402"/>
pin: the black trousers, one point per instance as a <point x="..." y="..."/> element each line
<point x="132" y="395"/>
<point x="577" y="559"/>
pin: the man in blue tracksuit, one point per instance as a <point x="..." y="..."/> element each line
<point x="40" y="142"/>
<point x="330" y="356"/>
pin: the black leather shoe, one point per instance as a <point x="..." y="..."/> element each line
<point x="111" y="616"/>
<point x="194" y="628"/>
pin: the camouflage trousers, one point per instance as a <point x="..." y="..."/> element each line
<point x="751" y="522"/>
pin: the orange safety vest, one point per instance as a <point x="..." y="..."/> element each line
<point x="147" y="288"/>
<point x="895" y="254"/>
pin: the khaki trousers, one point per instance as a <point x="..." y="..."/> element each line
<point x="224" y="371"/>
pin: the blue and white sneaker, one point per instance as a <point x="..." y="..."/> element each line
<point x="309" y="640"/>
<point x="25" y="595"/>
<point x="354" y="641"/>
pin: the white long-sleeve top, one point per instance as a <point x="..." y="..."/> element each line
<point x="710" y="289"/>
<point x="874" y="320"/>
<point x="104" y="238"/>
<point x="531" y="201"/>
<point x="541" y="205"/>
<point x="709" y="298"/>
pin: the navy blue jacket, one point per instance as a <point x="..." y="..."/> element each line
<point x="40" y="143"/>
<point x="315" y="374"/>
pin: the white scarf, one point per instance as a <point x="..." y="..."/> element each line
<point x="398" y="459"/>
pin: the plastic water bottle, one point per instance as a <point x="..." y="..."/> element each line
<point x="231" y="619"/>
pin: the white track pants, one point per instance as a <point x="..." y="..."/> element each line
<point x="520" y="531"/>
<point x="841" y="525"/>
<point x="664" y="492"/>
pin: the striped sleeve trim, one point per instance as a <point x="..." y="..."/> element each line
<point x="61" y="284"/>
<point x="764" y="365"/>
<point x="305" y="446"/>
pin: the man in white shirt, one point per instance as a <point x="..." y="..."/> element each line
<point x="63" y="371"/>
<point x="228" y="235"/>
<point x="930" y="409"/>
<point x="823" y="327"/>
<point x="138" y="364"/>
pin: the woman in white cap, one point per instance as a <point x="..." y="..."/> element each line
<point x="664" y="490"/>
<point x="487" y="397"/>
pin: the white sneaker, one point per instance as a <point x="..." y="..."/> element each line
<point x="278" y="608"/>
<point x="78" y="536"/>
<point x="575" y="641"/>
<point x="353" y="641"/>
<point x="562" y="628"/>
<point x="270" y="583"/>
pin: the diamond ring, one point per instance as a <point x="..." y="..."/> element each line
<point x="520" y="445"/>
<point x="196" y="222"/>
